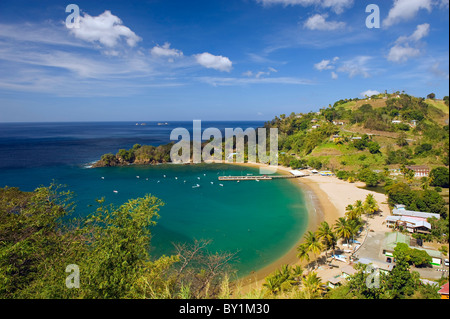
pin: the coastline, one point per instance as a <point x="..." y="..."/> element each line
<point x="326" y="198"/>
<point x="317" y="201"/>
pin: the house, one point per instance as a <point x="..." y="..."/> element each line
<point x="401" y="211"/>
<point x="419" y="170"/>
<point x="411" y="224"/>
<point x="315" y="127"/>
<point x="396" y="122"/>
<point x="444" y="291"/>
<point x="392" y="239"/>
<point x="334" y="282"/>
<point x="348" y="271"/>
<point x="384" y="267"/>
<point x="326" y="173"/>
<point x="356" y="138"/>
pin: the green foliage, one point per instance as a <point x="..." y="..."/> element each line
<point x="110" y="247"/>
<point x="440" y="177"/>
<point x="369" y="177"/>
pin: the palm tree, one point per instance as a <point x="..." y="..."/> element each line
<point x="371" y="205"/>
<point x="359" y="209"/>
<point x="297" y="273"/>
<point x="272" y="285"/>
<point x="303" y="253"/>
<point x="313" y="244"/>
<point x="312" y="284"/>
<point x="343" y="229"/>
<point x="328" y="237"/>
<point x="354" y="226"/>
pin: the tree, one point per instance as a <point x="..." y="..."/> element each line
<point x="328" y="237"/>
<point x="440" y="177"/>
<point x="312" y="284"/>
<point x="312" y="243"/>
<point x="402" y="139"/>
<point x="343" y="229"/>
<point x="374" y="147"/>
<point x="370" y="204"/>
<point x="431" y="96"/>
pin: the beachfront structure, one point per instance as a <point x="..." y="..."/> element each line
<point x="444" y="291"/>
<point x="384" y="267"/>
<point x="411" y="224"/>
<point x="419" y="170"/>
<point x="298" y="173"/>
<point x="326" y="173"/>
<point x="392" y="239"/>
<point x="400" y="210"/>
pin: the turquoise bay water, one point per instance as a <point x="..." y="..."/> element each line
<point x="261" y="220"/>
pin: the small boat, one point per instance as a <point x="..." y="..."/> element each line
<point x="137" y="177"/>
<point x="115" y="191"/>
<point x="157" y="181"/>
<point x="176" y="177"/>
<point x="198" y="177"/>
<point x="221" y="185"/>
<point x="164" y="176"/>
<point x="103" y="177"/>
<point x="212" y="183"/>
<point x="196" y="186"/>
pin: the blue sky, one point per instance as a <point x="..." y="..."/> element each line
<point x="213" y="60"/>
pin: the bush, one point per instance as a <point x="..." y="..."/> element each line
<point x="440" y="177"/>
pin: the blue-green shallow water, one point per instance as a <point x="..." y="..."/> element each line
<point x="261" y="220"/>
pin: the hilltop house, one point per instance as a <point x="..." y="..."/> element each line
<point x="419" y="170"/>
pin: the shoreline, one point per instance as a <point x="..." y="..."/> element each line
<point x="316" y="200"/>
<point x="327" y="198"/>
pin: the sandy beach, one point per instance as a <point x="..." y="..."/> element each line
<point x="327" y="197"/>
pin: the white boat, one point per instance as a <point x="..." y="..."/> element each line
<point x="103" y="177"/>
<point x="212" y="183"/>
<point x="115" y="191"/>
<point x="137" y="177"/>
<point x="221" y="185"/>
<point x="196" y="186"/>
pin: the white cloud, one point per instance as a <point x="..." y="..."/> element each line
<point x="422" y="31"/>
<point x="216" y="62"/>
<point x="326" y="64"/>
<point x="405" y="10"/>
<point x="259" y="74"/>
<point x="319" y="22"/>
<point x="334" y="75"/>
<point x="369" y="93"/>
<point x="229" y="81"/>
<point x="444" y="4"/>
<point x="406" y="46"/>
<point x="356" y="66"/>
<point x="399" y="53"/>
<point x="107" y="29"/>
<point x="166" y="52"/>
<point x="338" y="6"/>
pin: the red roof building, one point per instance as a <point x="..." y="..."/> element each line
<point x="444" y="291"/>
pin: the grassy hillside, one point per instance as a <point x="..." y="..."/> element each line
<point x="384" y="132"/>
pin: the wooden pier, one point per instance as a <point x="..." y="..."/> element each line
<point x="257" y="178"/>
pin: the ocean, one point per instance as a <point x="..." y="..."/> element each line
<point x="260" y="221"/>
